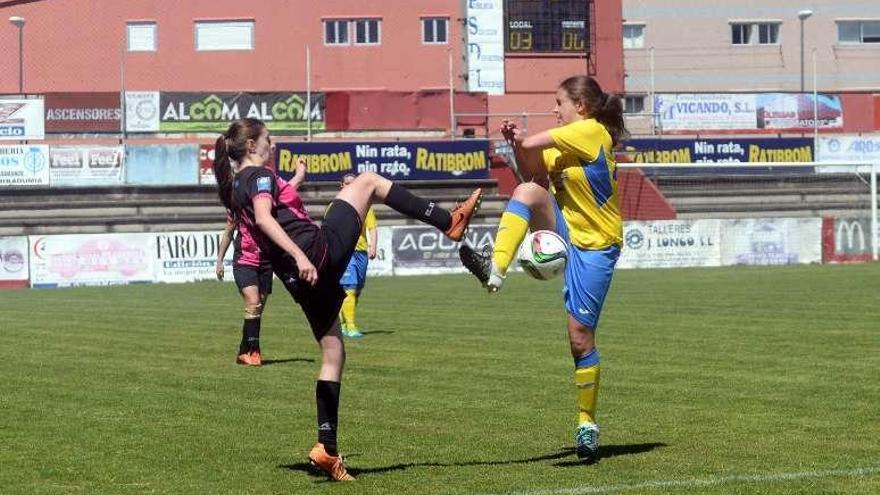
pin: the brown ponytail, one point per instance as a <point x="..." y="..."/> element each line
<point x="605" y="108"/>
<point x="232" y="145"/>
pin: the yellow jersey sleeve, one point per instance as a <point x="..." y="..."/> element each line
<point x="583" y="175"/>
<point x="585" y="139"/>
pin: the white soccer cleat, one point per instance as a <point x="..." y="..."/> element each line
<point x="496" y="279"/>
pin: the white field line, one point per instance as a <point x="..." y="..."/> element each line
<point x="703" y="482"/>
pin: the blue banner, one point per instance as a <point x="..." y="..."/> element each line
<point x="424" y="160"/>
<point x="162" y="164"/>
<point x="749" y="150"/>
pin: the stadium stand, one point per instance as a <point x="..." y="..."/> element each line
<point x="736" y="195"/>
<point x="78" y="210"/>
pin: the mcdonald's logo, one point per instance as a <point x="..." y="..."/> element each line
<point x="846" y="231"/>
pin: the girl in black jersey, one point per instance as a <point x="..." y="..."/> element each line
<point x="252" y="273"/>
<point x="310" y="259"/>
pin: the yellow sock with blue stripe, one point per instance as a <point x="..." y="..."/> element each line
<point x="348" y="308"/>
<point x="512" y="230"/>
<point x="586" y="378"/>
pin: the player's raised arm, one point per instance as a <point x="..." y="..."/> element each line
<point x="300" y="175"/>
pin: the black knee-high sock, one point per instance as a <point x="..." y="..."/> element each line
<point x="419" y="208"/>
<point x="250" y="335"/>
<point x="327" y="398"/>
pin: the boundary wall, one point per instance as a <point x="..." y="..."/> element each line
<point x="177" y="257"/>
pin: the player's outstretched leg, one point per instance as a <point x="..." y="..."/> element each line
<point x="530" y="206"/>
<point x="369" y="187"/>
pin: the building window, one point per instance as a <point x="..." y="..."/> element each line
<point x="224" y="35"/>
<point x="366" y="31"/>
<point x="633" y="35"/>
<point x="754" y="33"/>
<point x="853" y="32"/>
<point x="634" y="103"/>
<point x="141" y="36"/>
<point x="768" y="34"/>
<point x="336" y="32"/>
<point x="434" y="30"/>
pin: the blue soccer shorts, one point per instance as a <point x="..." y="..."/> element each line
<point x="355" y="275"/>
<point x="587" y="276"/>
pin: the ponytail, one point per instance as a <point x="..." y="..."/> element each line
<point x="610" y="115"/>
<point x="223" y="172"/>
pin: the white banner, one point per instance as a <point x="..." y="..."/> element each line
<point x="420" y="250"/>
<point x="706" y="111"/>
<point x="24" y="166"/>
<point x="189" y="256"/>
<point x="22" y="118"/>
<point x="142" y="111"/>
<point x="382" y="264"/>
<point x="671" y="243"/>
<point x="771" y="241"/>
<point x="86" y="165"/>
<point x="843" y="148"/>
<point x="13" y="259"/>
<point x="91" y="259"/>
<point x="485" y="46"/>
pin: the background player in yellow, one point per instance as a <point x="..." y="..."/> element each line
<point x="572" y="191"/>
<point x="355" y="276"/>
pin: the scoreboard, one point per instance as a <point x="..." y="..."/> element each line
<point x="547" y="26"/>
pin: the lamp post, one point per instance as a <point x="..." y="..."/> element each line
<point x="19" y="23"/>
<point x="803" y="15"/>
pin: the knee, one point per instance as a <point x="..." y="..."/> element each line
<point x="579" y="349"/>
<point x="253" y="311"/>
<point x="370" y="178"/>
<point x="529" y="193"/>
<point x="333" y="351"/>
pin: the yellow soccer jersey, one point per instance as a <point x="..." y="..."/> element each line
<point x="584" y="178"/>
<point x="369" y="223"/>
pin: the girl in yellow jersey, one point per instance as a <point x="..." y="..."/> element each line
<point x="355" y="276"/>
<point x="572" y="190"/>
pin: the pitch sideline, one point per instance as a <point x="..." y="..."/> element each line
<point x="693" y="483"/>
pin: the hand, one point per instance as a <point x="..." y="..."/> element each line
<point x="517" y="138"/>
<point x="371" y="252"/>
<point x="307" y="271"/>
<point x="219" y="270"/>
<point x="507" y="129"/>
<point x="301" y="165"/>
<point x="512" y="134"/>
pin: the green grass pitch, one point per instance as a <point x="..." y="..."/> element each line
<point x="727" y="380"/>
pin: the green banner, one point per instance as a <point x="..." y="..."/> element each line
<point x="198" y="112"/>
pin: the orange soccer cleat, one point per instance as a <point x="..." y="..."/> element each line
<point x="462" y="213"/>
<point x="330" y="464"/>
<point x="251" y="358"/>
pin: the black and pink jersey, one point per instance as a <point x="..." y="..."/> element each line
<point x="287" y="209"/>
<point x="246" y="251"/>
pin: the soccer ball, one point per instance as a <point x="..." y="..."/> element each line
<point x="543" y="254"/>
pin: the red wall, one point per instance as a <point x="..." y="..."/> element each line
<point x="876" y="111"/>
<point x="531" y="82"/>
<point x="400" y="110"/>
<point x="77" y="45"/>
<point x="858" y="112"/>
